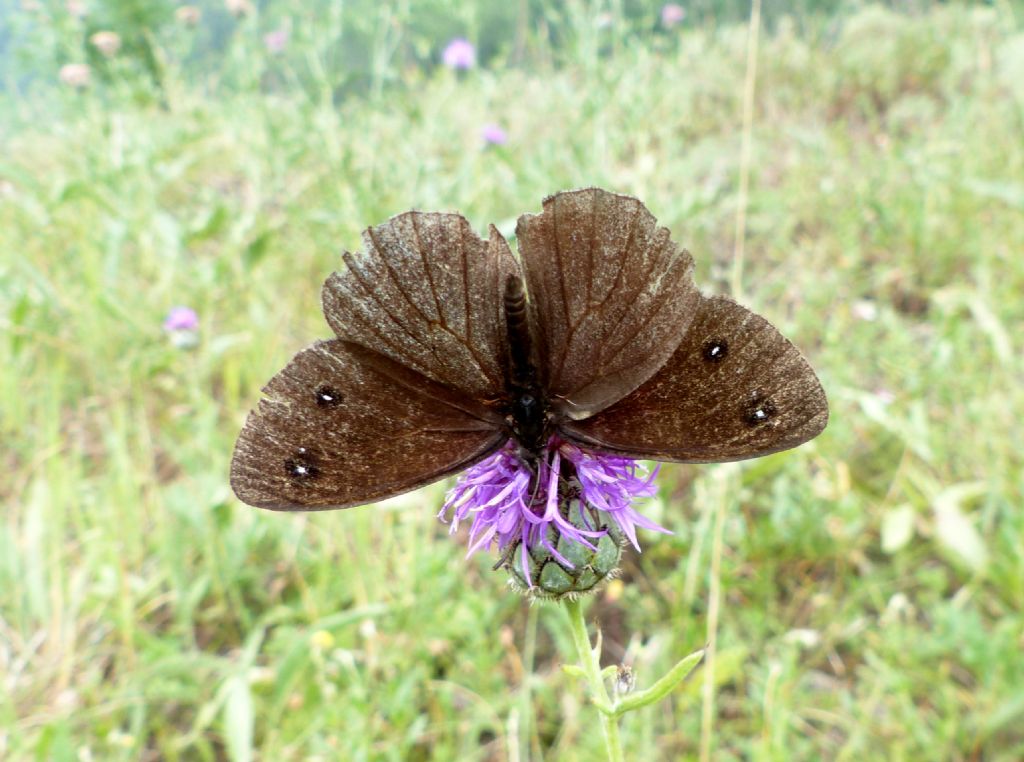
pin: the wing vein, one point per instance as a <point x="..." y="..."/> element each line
<point x="590" y="249"/>
<point x="464" y="339"/>
<point x="622" y="259"/>
<point x="394" y="277"/>
<point x="430" y="346"/>
<point x="665" y="297"/>
<point x="426" y="270"/>
<point x="570" y="325"/>
<point x="465" y="284"/>
<point x="372" y="296"/>
<point x="558" y="257"/>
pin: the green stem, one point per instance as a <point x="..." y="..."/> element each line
<point x="592" y="667"/>
<point x="525" y="707"/>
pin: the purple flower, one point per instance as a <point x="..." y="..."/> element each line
<point x="181" y="319"/>
<point x="276" y="41"/>
<point x="508" y="502"/>
<point x="611" y="484"/>
<point x="460" y="54"/>
<point x="182" y="326"/>
<point x="494" y="135"/>
<point x="672" y="14"/>
<point x="76" y="75"/>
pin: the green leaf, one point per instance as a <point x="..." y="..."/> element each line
<point x="209" y="224"/>
<point x="897" y="528"/>
<point x="574" y="670"/>
<point x="238" y="719"/>
<point x="257" y="249"/>
<point x="55" y="744"/>
<point x="1011" y="194"/>
<point x="663" y="687"/>
<point x="954" y="529"/>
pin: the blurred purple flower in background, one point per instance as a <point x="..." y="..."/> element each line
<point x="672" y="14"/>
<point x="189" y="15"/>
<point x="75" y="8"/>
<point x="276" y="41"/>
<point x="493" y="135"/>
<point x="76" y="75"/>
<point x="181" y="319"/>
<point x="239" y="8"/>
<point x="107" y="43"/>
<point x="460" y="54"/>
<point x="182" y="326"/>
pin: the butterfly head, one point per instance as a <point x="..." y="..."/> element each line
<point x="528" y="420"/>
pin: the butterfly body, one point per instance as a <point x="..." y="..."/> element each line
<point x="527" y="412"/>
<point x="447" y="346"/>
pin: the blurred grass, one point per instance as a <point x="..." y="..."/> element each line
<point x="873" y="580"/>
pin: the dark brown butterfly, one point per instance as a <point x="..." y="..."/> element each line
<point x="447" y="346"/>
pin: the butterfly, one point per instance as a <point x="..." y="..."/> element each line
<point x="447" y="346"/>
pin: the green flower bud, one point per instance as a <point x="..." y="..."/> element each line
<point x="580" y="570"/>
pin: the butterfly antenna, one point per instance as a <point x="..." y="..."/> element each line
<point x="505" y="558"/>
<point x="536" y="486"/>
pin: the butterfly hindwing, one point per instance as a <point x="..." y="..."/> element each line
<point x="735" y="388"/>
<point x="610" y="292"/>
<point x="341" y="426"/>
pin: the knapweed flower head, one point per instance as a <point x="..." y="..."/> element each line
<point x="239" y="8"/>
<point x="459" y="54"/>
<point x="182" y="325"/>
<point x="76" y="75"/>
<point x="276" y="41"/>
<point x="672" y="14"/>
<point x="106" y="42"/>
<point x="558" y="523"/>
<point x="188" y="15"/>
<point x="493" y="135"/>
<point x="181" y="319"/>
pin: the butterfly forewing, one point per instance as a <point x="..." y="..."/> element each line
<point x="735" y="388"/>
<point x="426" y="292"/>
<point x="611" y="295"/>
<point x="341" y="426"/>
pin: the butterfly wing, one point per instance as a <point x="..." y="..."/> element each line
<point x="426" y="292"/>
<point x="340" y="426"/>
<point x="610" y="295"/>
<point x="735" y="388"/>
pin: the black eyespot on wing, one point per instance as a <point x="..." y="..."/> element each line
<point x="328" y="396"/>
<point x="758" y="410"/>
<point x="762" y="398"/>
<point x="715" y="350"/>
<point x="393" y="431"/>
<point x="302" y="466"/>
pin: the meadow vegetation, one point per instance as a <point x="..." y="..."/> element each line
<point x="872" y="580"/>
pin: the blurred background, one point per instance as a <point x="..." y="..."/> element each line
<point x="176" y="181"/>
